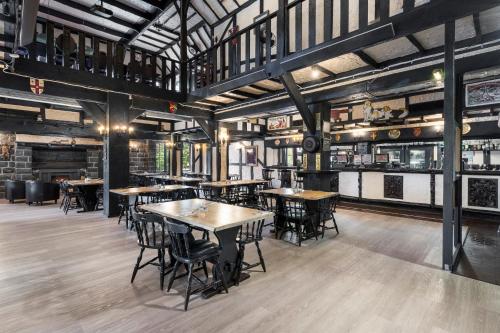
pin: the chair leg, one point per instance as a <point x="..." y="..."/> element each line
<point x="136" y="268"/>
<point x="261" y="258"/>
<point x="120" y="216"/>
<point x="188" y="289"/>
<point x="335" y="224"/>
<point x="172" y="276"/>
<point x="299" y="233"/>
<point x="205" y="270"/>
<point x="161" y="257"/>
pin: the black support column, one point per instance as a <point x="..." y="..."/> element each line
<point x="452" y="196"/>
<point x="116" y="151"/>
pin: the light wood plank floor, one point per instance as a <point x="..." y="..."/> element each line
<point x="381" y="274"/>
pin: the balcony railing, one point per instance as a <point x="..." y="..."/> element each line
<point x="293" y="28"/>
<point x="59" y="45"/>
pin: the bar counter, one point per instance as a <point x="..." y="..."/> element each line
<point x="419" y="187"/>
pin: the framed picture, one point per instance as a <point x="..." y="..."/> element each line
<point x="278" y="123"/>
<point x="482" y="93"/>
<point x="251" y="155"/>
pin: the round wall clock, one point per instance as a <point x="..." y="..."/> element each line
<point x="311" y="144"/>
<point x="394" y="133"/>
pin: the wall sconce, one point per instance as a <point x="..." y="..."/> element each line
<point x="133" y="145"/>
<point x="223" y="136"/>
<point x="197" y="146"/>
<point x="437" y="74"/>
<point x="169" y="144"/>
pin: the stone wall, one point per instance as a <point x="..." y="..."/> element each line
<point x="142" y="156"/>
<point x="93" y="156"/>
<point x="18" y="166"/>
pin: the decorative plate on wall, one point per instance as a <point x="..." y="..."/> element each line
<point x="373" y="135"/>
<point x="277" y="142"/>
<point x="338" y="137"/>
<point x="465" y="129"/>
<point x="394" y="133"/>
<point x="417" y="131"/>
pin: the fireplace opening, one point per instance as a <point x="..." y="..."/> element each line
<point x="54" y="164"/>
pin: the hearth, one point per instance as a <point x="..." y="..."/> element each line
<point x="55" y="164"/>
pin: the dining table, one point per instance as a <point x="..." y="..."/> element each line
<point x="223" y="220"/>
<point x="88" y="192"/>
<point x="218" y="186"/>
<point x="178" y="179"/>
<point x="312" y="200"/>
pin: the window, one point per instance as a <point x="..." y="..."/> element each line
<point x="162" y="157"/>
<point x="289" y="157"/>
<point x="186" y="156"/>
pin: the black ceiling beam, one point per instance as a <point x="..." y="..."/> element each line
<point x="245" y="93"/>
<point x="85" y="9"/>
<point x="95" y="111"/>
<point x="367" y="59"/>
<point x="417" y="44"/>
<point x="324" y="70"/>
<point x="234" y="12"/>
<point x="400" y="79"/>
<point x="477" y="26"/>
<point x="76" y="20"/>
<point x="86" y="79"/>
<point x="165" y="5"/>
<point x="294" y="92"/>
<point x="196" y="26"/>
<point x="236" y="98"/>
<point x="208" y="127"/>
<point x="30" y="126"/>
<point x="128" y="9"/>
<point x="261" y="88"/>
<point x="199" y="14"/>
<point x="150" y="104"/>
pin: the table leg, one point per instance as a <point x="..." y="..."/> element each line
<point x="228" y="259"/>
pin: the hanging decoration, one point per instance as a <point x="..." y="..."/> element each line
<point x="6" y="145"/>
<point x="37" y="86"/>
<point x="373" y="135"/>
<point x="466" y="129"/>
<point x="385" y="113"/>
<point x="172" y="107"/>
<point x="394" y="133"/>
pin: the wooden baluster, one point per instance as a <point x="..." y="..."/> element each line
<point x="312" y="23"/>
<point x="95" y="57"/>
<point x="230" y="51"/>
<point x="109" y="59"/>
<point x="50" y="43"/>
<point x="247" y="51"/>
<point x="363" y="14"/>
<point x="132" y="65"/>
<point x="258" y="46"/>
<point x="163" y="73"/>
<point x="66" y="45"/>
<point x="81" y="51"/>
<point x="328" y="19"/>
<point x="143" y="67"/>
<point x="237" y="63"/>
<point x="298" y="27"/>
<point x="152" y="62"/>
<point x="344" y="17"/>
<point x="223" y="61"/>
<point x="214" y="65"/>
<point x="197" y="76"/>
<point x="119" y="58"/>
<point x="408" y="5"/>
<point x="172" y="76"/>
<point x="268" y="40"/>
<point x="384" y="10"/>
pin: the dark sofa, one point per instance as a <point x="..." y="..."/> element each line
<point x="38" y="192"/>
<point x="14" y="190"/>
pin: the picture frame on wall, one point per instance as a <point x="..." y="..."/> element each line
<point x="251" y="155"/>
<point x="278" y="123"/>
<point x="482" y="93"/>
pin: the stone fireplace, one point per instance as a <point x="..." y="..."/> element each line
<point x="50" y="164"/>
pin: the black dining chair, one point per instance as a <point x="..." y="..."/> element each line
<point x="267" y="174"/>
<point x="151" y="234"/>
<point x="327" y="208"/>
<point x="268" y="202"/>
<point x="71" y="197"/>
<point x="234" y="177"/>
<point x="230" y="195"/>
<point x="124" y="205"/>
<point x="250" y="233"/>
<point x="190" y="252"/>
<point x="298" y="220"/>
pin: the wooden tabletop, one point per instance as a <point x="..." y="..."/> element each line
<point x="91" y="182"/>
<point x="179" y="179"/>
<point x="301" y="194"/>
<point x="217" y="216"/>
<point x="147" y="174"/>
<point x="228" y="183"/>
<point x="128" y="191"/>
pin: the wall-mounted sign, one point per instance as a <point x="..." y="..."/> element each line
<point x="37" y="86"/>
<point x="482" y="93"/>
<point x="373" y="135"/>
<point x="385" y="113"/>
<point x="278" y="123"/>
<point x="338" y="115"/>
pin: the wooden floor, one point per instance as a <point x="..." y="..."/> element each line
<point x="381" y="274"/>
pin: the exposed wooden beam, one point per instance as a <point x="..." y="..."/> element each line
<point x="95" y="111"/>
<point x="166" y="4"/>
<point x="416" y="43"/>
<point x="208" y="127"/>
<point x="367" y="59"/>
<point x="477" y="26"/>
<point x="294" y="92"/>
